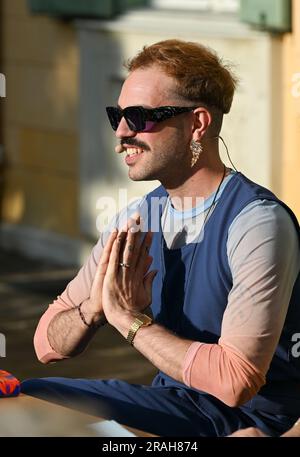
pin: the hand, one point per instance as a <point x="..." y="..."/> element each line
<point x="127" y="288"/>
<point x="92" y="307"/>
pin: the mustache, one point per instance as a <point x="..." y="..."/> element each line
<point x="134" y="142"/>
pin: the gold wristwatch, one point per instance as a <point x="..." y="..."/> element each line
<point x="141" y="320"/>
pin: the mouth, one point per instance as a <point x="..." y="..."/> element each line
<point x="133" y="154"/>
<point x="131" y="151"/>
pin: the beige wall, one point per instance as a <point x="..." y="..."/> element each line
<point x="40" y="62"/>
<point x="291" y="127"/>
<point x="40" y="112"/>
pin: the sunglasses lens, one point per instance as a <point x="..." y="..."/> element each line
<point x="134" y="119"/>
<point x="114" y="116"/>
<point x="149" y="126"/>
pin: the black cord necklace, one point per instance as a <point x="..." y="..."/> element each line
<point x="196" y="242"/>
<point x="210" y="207"/>
<point x="215" y="198"/>
<point x="204" y="222"/>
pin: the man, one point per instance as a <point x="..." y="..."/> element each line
<point x="225" y="273"/>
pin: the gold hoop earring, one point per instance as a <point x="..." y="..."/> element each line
<point x="196" y="149"/>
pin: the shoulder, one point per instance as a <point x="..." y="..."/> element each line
<point x="264" y="213"/>
<point x="263" y="228"/>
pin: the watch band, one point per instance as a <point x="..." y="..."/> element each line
<point x="141" y="320"/>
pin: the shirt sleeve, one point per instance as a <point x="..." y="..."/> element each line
<point x="78" y="289"/>
<point x="263" y="255"/>
<point x="75" y="293"/>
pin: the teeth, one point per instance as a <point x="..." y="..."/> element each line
<point x="133" y="151"/>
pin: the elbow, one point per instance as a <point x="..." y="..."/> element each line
<point x="44" y="352"/>
<point x="39" y="348"/>
<point x="43" y="349"/>
<point x="236" y="399"/>
<point x="237" y="394"/>
<point x="43" y="355"/>
<point x="225" y="374"/>
<point x="45" y="358"/>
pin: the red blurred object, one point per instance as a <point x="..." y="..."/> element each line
<point x="9" y="385"/>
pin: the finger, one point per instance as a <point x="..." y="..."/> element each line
<point x="103" y="263"/>
<point x="147" y="264"/>
<point x="148" y="282"/>
<point x="135" y="220"/>
<point x="144" y="250"/>
<point x="114" y="258"/>
<point x="131" y="245"/>
<point x="131" y="248"/>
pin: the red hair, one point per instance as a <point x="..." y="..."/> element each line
<point x="199" y="72"/>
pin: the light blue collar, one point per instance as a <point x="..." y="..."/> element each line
<point x="203" y="207"/>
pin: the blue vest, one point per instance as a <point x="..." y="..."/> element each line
<point x="191" y="288"/>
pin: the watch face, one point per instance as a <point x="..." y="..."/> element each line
<point x="143" y="318"/>
<point x="140" y="320"/>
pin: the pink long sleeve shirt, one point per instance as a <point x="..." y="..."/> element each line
<point x="263" y="273"/>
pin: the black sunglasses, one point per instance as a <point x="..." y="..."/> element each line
<point x="140" y="119"/>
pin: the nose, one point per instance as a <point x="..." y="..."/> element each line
<point x="123" y="130"/>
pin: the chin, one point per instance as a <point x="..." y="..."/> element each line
<point x="140" y="176"/>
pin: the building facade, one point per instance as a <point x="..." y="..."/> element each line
<point x="59" y="169"/>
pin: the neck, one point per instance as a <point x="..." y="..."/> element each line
<point x="202" y="183"/>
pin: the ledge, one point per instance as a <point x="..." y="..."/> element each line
<point x="42" y="244"/>
<point x="175" y="23"/>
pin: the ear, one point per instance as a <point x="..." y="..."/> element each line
<point x="203" y="120"/>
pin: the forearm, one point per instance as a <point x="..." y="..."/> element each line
<point x="162" y="348"/>
<point x="68" y="335"/>
<point x="215" y="369"/>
